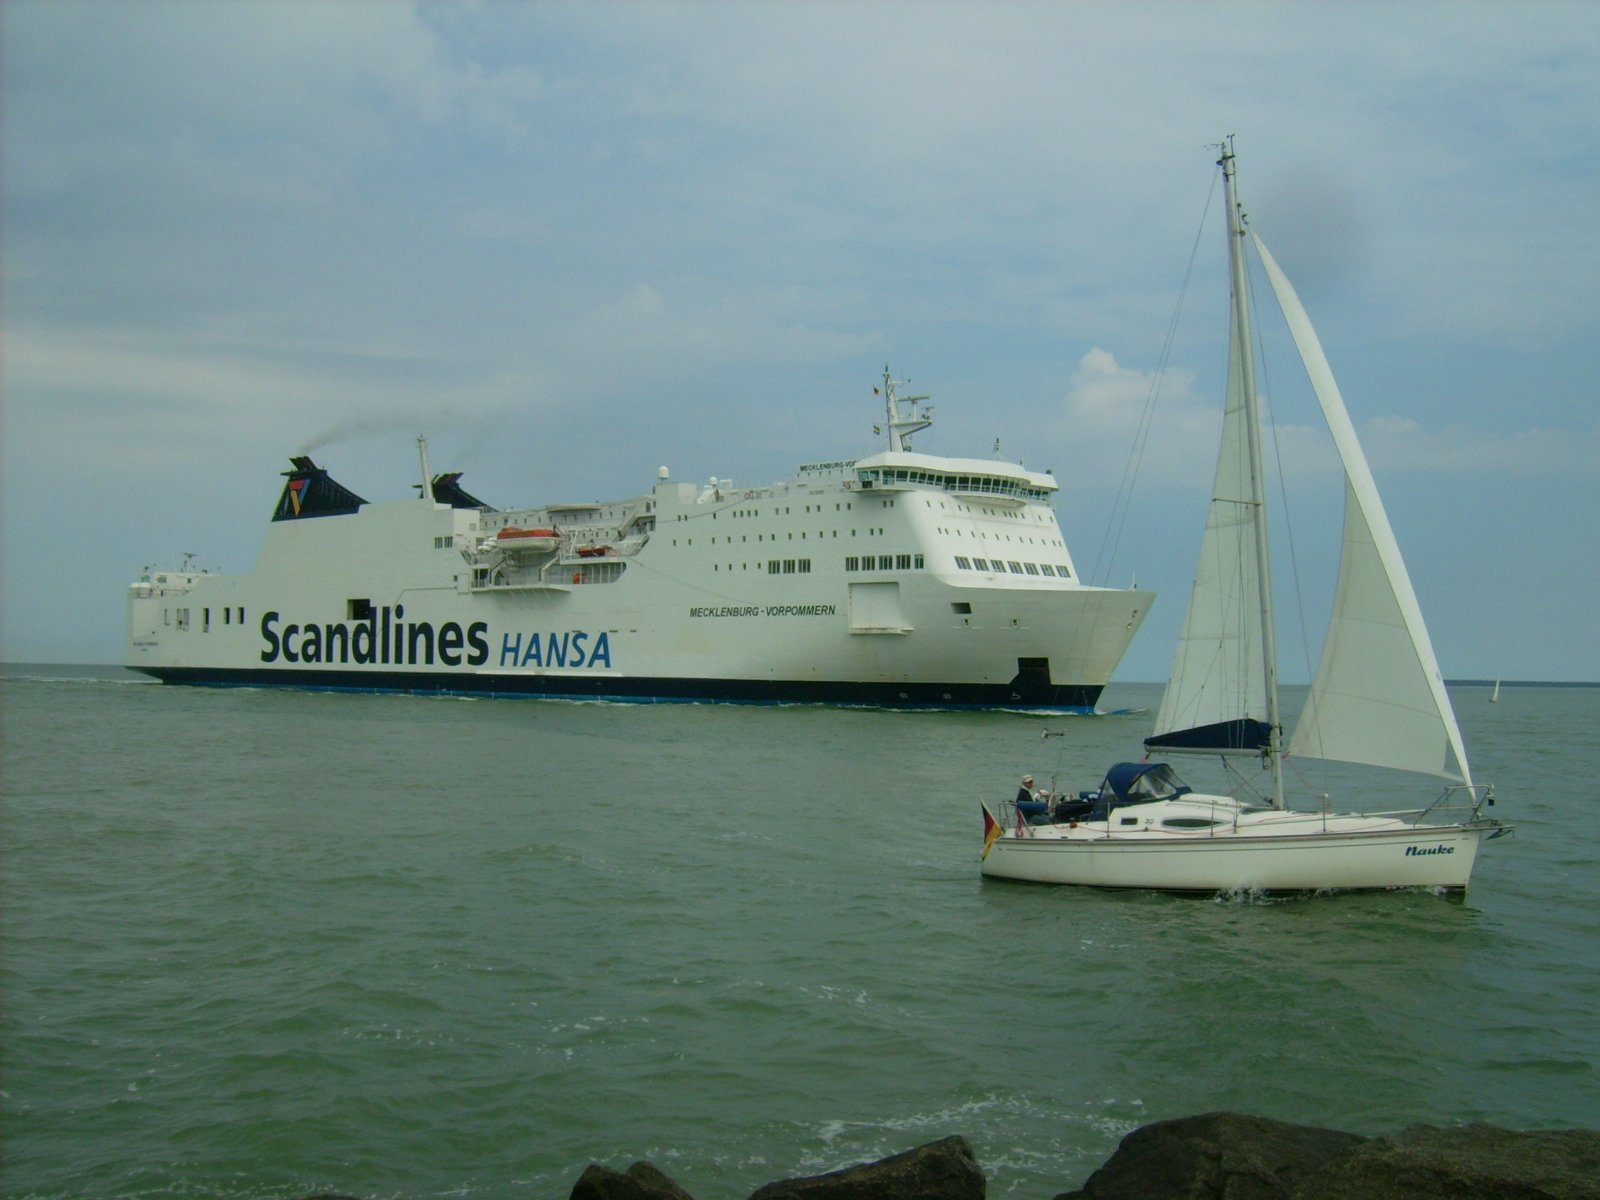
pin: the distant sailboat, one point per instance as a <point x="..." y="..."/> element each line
<point x="1378" y="697"/>
<point x="1494" y="697"/>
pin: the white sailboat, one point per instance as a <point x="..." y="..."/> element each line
<point x="1378" y="697"/>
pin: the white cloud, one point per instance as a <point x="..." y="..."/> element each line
<point x="1112" y="413"/>
<point x="1404" y="444"/>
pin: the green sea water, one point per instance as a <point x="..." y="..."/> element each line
<point x="262" y="944"/>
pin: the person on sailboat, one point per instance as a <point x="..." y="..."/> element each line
<point x="1033" y="808"/>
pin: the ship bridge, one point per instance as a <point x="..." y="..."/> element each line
<point x="969" y="478"/>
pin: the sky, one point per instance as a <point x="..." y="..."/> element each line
<point x="572" y="243"/>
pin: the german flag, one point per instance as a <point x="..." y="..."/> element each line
<point x="991" y="829"/>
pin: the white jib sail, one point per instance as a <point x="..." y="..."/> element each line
<point x="1378" y="697"/>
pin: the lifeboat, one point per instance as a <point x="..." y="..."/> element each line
<point x="595" y="551"/>
<point x="526" y="541"/>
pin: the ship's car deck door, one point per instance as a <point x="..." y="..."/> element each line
<point x="875" y="608"/>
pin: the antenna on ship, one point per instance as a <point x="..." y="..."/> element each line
<point x="902" y="425"/>
<point x="427" y="475"/>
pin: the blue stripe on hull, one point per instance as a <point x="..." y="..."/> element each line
<point x="1017" y="695"/>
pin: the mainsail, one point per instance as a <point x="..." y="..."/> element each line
<point x="1222" y="693"/>
<point x="1216" y="694"/>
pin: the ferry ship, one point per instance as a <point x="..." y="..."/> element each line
<point x="897" y="580"/>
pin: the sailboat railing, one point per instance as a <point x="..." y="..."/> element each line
<point x="1476" y="796"/>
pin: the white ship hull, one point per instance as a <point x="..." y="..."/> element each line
<point x="902" y="580"/>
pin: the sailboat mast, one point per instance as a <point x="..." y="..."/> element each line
<point x="1246" y="360"/>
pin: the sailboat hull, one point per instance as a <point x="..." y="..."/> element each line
<point x="1439" y="857"/>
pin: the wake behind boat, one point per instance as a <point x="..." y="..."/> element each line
<point x="899" y="579"/>
<point x="1378" y="697"/>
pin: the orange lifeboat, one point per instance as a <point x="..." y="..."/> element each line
<point x="526" y="541"/>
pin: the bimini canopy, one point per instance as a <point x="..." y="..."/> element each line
<point x="1137" y="783"/>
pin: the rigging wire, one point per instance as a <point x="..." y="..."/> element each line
<point x="1122" y="503"/>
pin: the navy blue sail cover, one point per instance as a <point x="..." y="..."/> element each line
<point x="1242" y="735"/>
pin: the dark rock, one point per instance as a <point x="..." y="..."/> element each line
<point x="1468" y="1162"/>
<point x="657" y="1182"/>
<point x="942" y="1170"/>
<point x="642" y="1181"/>
<point x="1229" y="1156"/>
<point x="1217" y="1156"/>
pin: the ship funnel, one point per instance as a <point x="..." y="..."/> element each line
<point x="447" y="489"/>
<point x="312" y="492"/>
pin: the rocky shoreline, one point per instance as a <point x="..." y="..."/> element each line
<point x="1215" y="1156"/>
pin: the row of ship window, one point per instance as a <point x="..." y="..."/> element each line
<point x="953" y="532"/>
<point x="736" y="513"/>
<point x="775" y="566"/>
<point x="761" y="537"/>
<point x="884" y="562"/>
<point x="1016" y="568"/>
<point x="182" y="615"/>
<point x="908" y="562"/>
<point x="959" y="483"/>
<point x="856" y="562"/>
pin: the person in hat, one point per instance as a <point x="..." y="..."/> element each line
<point x="1025" y="792"/>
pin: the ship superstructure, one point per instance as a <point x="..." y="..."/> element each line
<point x="901" y="579"/>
